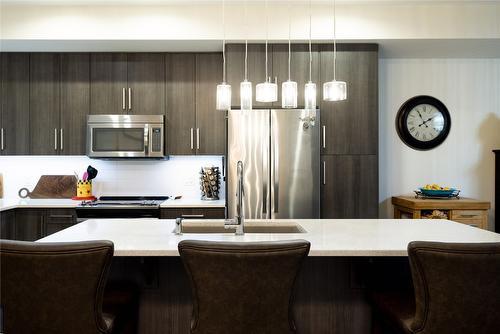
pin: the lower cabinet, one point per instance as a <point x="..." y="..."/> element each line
<point x="349" y="186"/>
<point x="193" y="213"/>
<point x="33" y="224"/>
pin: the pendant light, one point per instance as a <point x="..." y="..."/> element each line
<point x="246" y="86"/>
<point x="334" y="90"/>
<point x="266" y="91"/>
<point x="223" y="101"/>
<point x="289" y="87"/>
<point x="310" y="87"/>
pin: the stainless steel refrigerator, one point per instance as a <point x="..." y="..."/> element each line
<point x="280" y="150"/>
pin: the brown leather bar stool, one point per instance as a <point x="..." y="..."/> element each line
<point x="241" y="288"/>
<point x="457" y="291"/>
<point x="55" y="288"/>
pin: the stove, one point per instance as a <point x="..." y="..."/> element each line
<point x="120" y="207"/>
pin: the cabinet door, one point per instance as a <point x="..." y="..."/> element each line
<point x="351" y="126"/>
<point x="146" y="80"/>
<point x="44" y="103"/>
<point x="210" y="123"/>
<point x="193" y="213"/>
<point x="350" y="186"/>
<point x="14" y="99"/>
<point x="75" y="102"/>
<point x="7" y="225"/>
<point x="181" y="103"/>
<point x="58" y="220"/>
<point x="299" y="70"/>
<point x="235" y="65"/>
<point x="108" y="83"/>
<point x="30" y="224"/>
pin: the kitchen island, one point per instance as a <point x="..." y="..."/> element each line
<point x="347" y="259"/>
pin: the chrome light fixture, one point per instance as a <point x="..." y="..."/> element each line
<point x="223" y="100"/>
<point x="266" y="91"/>
<point x="289" y="87"/>
<point x="246" y="94"/>
<point x="310" y="87"/>
<point x="334" y="90"/>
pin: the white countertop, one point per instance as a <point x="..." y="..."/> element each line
<point x="7" y="204"/>
<point x="192" y="203"/>
<point x="328" y="237"/>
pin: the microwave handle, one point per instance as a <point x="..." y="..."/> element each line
<point x="146" y="139"/>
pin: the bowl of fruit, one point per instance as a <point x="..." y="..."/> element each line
<point x="434" y="190"/>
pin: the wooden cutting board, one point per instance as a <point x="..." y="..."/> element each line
<point x="54" y="186"/>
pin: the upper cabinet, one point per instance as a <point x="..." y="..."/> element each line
<point x="127" y="83"/>
<point x="194" y="125"/>
<point x="14" y="103"/>
<point x="351" y="126"/>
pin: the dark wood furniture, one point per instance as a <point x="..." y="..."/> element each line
<point x="497" y="190"/>
<point x="464" y="210"/>
<point x="450" y="294"/>
<point x="193" y="213"/>
<point x="243" y="288"/>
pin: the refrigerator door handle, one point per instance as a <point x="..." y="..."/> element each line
<point x="265" y="172"/>
<point x="276" y="175"/>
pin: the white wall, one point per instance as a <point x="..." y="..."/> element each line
<point x="470" y="88"/>
<point x="177" y="176"/>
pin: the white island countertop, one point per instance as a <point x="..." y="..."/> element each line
<point x="328" y="237"/>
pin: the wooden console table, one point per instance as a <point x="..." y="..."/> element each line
<point x="463" y="210"/>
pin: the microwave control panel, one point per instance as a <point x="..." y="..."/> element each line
<point x="156" y="140"/>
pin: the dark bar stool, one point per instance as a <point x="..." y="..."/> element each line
<point x="55" y="288"/>
<point x="241" y="288"/>
<point x="457" y="291"/>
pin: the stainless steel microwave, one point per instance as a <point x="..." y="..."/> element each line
<point x="125" y="136"/>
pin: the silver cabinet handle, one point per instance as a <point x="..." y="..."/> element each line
<point x="197" y="138"/>
<point x="129" y="98"/>
<point x="193" y="216"/>
<point x="192" y="139"/>
<point x="62" y="139"/>
<point x="55" y="139"/>
<point x="123" y="98"/>
<point x="324" y="172"/>
<point x="324" y="136"/>
<point x="2" y="144"/>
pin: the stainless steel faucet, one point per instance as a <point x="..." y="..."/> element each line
<point x="239" y="219"/>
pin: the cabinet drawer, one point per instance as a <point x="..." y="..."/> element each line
<point x="480" y="223"/>
<point x="193" y="213"/>
<point x="467" y="214"/>
<point x="59" y="219"/>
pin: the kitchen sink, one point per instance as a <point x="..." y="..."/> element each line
<point x="251" y="226"/>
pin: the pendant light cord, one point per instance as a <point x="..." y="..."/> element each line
<point x="267" y="37"/>
<point x="223" y="41"/>
<point x="310" y="47"/>
<point x="289" y="39"/>
<point x="246" y="41"/>
<point x="334" y="41"/>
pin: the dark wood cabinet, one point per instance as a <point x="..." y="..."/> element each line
<point x="58" y="219"/>
<point x="7" y="225"/>
<point x="210" y="123"/>
<point x="299" y="70"/>
<point x="351" y="126"/>
<point x="193" y="213"/>
<point x="75" y="103"/>
<point x="146" y="81"/>
<point x="14" y="103"/>
<point x="30" y="224"/>
<point x="194" y="125"/>
<point x="497" y="191"/>
<point x="349" y="186"/>
<point x="108" y="83"/>
<point x="181" y="104"/>
<point x="44" y="103"/>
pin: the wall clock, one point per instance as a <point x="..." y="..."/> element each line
<point x="423" y="122"/>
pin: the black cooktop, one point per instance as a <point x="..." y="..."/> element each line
<point x="125" y="201"/>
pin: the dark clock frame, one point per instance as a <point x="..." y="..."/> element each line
<point x="402" y="117"/>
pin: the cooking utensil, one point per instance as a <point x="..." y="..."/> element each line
<point x="85" y="176"/>
<point x="91" y="172"/>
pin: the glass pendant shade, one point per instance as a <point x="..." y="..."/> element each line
<point x="266" y="92"/>
<point x="246" y="95"/>
<point x="289" y="94"/>
<point x="334" y="91"/>
<point x="223" y="96"/>
<point x="310" y="96"/>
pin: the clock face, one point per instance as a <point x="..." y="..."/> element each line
<point x="423" y="122"/>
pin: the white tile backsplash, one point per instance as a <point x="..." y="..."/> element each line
<point x="177" y="176"/>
